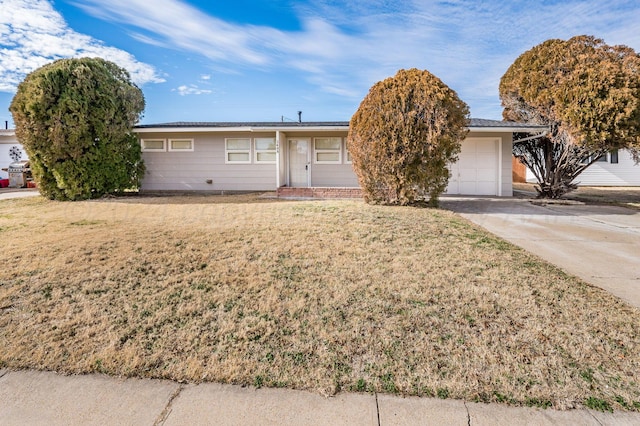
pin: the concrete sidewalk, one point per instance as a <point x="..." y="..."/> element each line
<point x="598" y="243"/>
<point x="44" y="398"/>
<point x="8" y="193"/>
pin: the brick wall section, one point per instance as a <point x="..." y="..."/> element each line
<point x="318" y="192"/>
<point x="519" y="171"/>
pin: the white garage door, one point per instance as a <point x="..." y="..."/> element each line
<point x="476" y="171"/>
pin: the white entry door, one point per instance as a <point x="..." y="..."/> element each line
<point x="299" y="162"/>
<point x="476" y="171"/>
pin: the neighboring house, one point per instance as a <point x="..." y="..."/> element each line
<point x="615" y="168"/>
<point x="10" y="150"/>
<point x="304" y="159"/>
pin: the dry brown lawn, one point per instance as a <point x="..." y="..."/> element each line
<point x="322" y="295"/>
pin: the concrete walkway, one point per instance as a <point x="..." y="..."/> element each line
<point x="598" y="243"/>
<point x="43" y="398"/>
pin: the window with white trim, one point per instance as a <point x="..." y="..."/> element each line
<point x="153" y="145"/>
<point x="327" y="150"/>
<point x="237" y="150"/>
<point x="594" y="159"/>
<point x="181" y="145"/>
<point x="602" y="158"/>
<point x="265" y="150"/>
<point x="347" y="155"/>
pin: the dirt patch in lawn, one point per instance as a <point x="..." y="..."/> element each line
<point x="323" y="295"/>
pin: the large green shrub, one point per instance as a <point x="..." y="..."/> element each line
<point x="406" y="131"/>
<point x="74" y="118"/>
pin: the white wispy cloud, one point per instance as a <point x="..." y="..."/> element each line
<point x="344" y="47"/>
<point x="33" y="34"/>
<point x="191" y="89"/>
<point x="184" y="27"/>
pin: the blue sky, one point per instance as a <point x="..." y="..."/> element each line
<point x="261" y="60"/>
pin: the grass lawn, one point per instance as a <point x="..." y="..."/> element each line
<point x="323" y="295"/>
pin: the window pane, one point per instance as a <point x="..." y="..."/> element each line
<point x="238" y="156"/>
<point x="328" y="143"/>
<point x="154" y="144"/>
<point x="181" y="144"/>
<point x="614" y="157"/>
<point x="266" y="156"/>
<point x="238" y="144"/>
<point x="348" y="156"/>
<point x="265" y="144"/>
<point x="328" y="156"/>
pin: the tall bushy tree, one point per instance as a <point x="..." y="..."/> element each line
<point x="402" y="137"/>
<point x="75" y="119"/>
<point x="587" y="93"/>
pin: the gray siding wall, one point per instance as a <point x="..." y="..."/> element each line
<point x="333" y="175"/>
<point x="505" y="160"/>
<point x="624" y="173"/>
<point x="191" y="170"/>
<point x="282" y="157"/>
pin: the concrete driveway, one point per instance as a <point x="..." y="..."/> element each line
<point x="598" y="243"/>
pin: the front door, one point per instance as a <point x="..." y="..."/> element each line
<point x="299" y="162"/>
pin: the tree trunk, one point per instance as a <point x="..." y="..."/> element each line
<point x="554" y="163"/>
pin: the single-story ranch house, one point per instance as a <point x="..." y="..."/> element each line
<point x="302" y="159"/>
<point x="310" y="159"/>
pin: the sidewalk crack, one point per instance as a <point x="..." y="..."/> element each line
<point x="377" y="407"/>
<point x="594" y="417"/>
<point x="468" y="414"/>
<point x="167" y="409"/>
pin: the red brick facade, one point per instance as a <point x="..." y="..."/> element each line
<point x="317" y="192"/>
<point x="519" y="171"/>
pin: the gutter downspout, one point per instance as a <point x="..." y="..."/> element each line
<point x="532" y="137"/>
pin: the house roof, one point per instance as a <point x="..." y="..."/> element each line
<point x="199" y="126"/>
<point x="475" y="124"/>
<point x="484" y="125"/>
<point x="252" y="124"/>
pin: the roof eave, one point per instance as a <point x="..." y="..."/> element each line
<point x="507" y="129"/>
<point x="197" y="129"/>
<point x="194" y="129"/>
<point x="481" y="126"/>
<point x="298" y="129"/>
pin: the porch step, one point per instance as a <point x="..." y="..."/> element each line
<point x="319" y="192"/>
